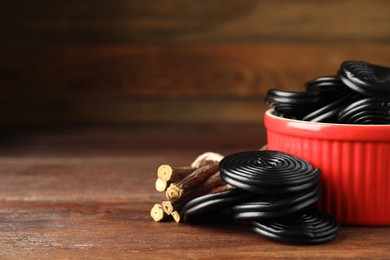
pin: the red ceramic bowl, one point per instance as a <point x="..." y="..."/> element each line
<point x="354" y="161"/>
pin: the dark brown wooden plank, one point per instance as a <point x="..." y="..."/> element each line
<point x="60" y="201"/>
<point x="154" y="139"/>
<point x="128" y="110"/>
<point x="236" y="70"/>
<point x="123" y="229"/>
<point x="61" y="21"/>
<point x="107" y="229"/>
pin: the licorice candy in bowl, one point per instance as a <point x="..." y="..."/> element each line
<point x="328" y="97"/>
<point x="368" y="79"/>
<point x="353" y="159"/>
<point x="374" y="111"/>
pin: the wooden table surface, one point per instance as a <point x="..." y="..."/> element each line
<point x="86" y="192"/>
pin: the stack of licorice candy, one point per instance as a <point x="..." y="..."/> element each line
<point x="272" y="192"/>
<point x="358" y="94"/>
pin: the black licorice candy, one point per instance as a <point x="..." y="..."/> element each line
<point x="298" y="104"/>
<point x="310" y="226"/>
<point x="374" y="110"/>
<point x="199" y="207"/>
<point x="329" y="112"/>
<point x="284" y="215"/>
<point x="324" y="84"/>
<point x="268" y="172"/>
<point x="365" y="78"/>
<point x="275" y="205"/>
<point x="325" y="97"/>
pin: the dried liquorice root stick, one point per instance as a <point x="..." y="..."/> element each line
<point x="206" y="158"/>
<point x="211" y="183"/>
<point x="173" y="174"/>
<point x="170" y="207"/>
<point x="170" y="175"/>
<point x="176" y="216"/>
<point x="167" y="174"/>
<point x="264" y="147"/>
<point x="221" y="188"/>
<point x="157" y="213"/>
<point x="161" y="185"/>
<point x="175" y="190"/>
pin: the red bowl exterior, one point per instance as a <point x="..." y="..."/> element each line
<point x="354" y="164"/>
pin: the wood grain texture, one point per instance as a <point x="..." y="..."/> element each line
<point x="173" y="21"/>
<point x="191" y="83"/>
<point x="120" y="110"/>
<point x="236" y="70"/>
<point x="59" y="59"/>
<point x="86" y="192"/>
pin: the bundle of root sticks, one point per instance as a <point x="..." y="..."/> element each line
<point x="182" y="184"/>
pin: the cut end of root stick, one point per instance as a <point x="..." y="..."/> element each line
<point x="161" y="185"/>
<point x="173" y="192"/>
<point x="167" y="207"/>
<point x="176" y="216"/>
<point x="164" y="172"/>
<point x="157" y="213"/>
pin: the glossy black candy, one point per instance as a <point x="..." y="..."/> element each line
<point x="328" y="96"/>
<point x="202" y="206"/>
<point x="329" y="112"/>
<point x="310" y="226"/>
<point x="326" y="84"/>
<point x="365" y="78"/>
<point x="298" y="104"/>
<point x="366" y="111"/>
<point x="274" y="190"/>
<point x="268" y="172"/>
<point x="275" y="205"/>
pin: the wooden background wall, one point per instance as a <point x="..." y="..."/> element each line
<point x="174" y="60"/>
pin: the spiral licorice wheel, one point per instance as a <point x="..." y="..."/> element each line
<point x="326" y="96"/>
<point x="310" y="226"/>
<point x="208" y="204"/>
<point x="296" y="104"/>
<point x="268" y="172"/>
<point x="326" y="85"/>
<point x="322" y="80"/>
<point x="276" y="205"/>
<point x="365" y="78"/>
<point x="366" y="111"/>
<point x="329" y="112"/>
